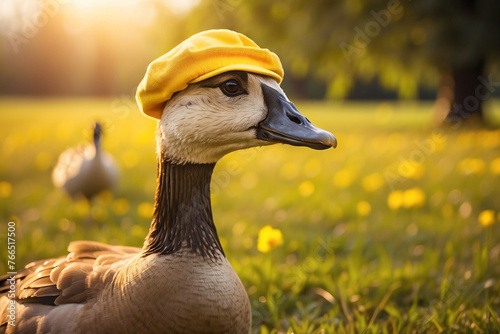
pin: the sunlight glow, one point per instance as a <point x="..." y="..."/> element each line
<point x="16" y="14"/>
<point x="178" y="7"/>
<point x="181" y="7"/>
<point x="91" y="5"/>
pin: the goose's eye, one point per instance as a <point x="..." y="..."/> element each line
<point x="231" y="88"/>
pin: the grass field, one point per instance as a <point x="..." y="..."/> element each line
<point x="389" y="233"/>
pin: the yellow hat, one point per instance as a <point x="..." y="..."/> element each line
<point x="200" y="57"/>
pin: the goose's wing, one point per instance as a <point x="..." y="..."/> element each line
<point x="72" y="279"/>
<point x="68" y="165"/>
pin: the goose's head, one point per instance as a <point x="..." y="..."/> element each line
<point x="227" y="107"/>
<point x="97" y="134"/>
<point x="231" y="111"/>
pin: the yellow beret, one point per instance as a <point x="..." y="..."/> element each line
<point x="200" y="57"/>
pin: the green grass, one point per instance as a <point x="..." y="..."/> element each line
<point x="350" y="263"/>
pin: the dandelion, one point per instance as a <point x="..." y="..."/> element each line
<point x="372" y="182"/>
<point x="82" y="206"/>
<point x="489" y="138"/>
<point x="145" y="209"/>
<point x="364" y="208"/>
<point x="5" y="189"/>
<point x="471" y="166"/>
<point x="343" y="178"/>
<point x="413" y="198"/>
<point x="409" y="199"/>
<point x="495" y="166"/>
<point x="120" y="206"/>
<point x="269" y="238"/>
<point x="486" y="217"/>
<point x="412" y="170"/>
<point x="306" y="188"/>
<point x="395" y="199"/>
<point x="417" y="172"/>
<point x="105" y="197"/>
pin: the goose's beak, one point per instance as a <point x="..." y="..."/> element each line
<point x="284" y="124"/>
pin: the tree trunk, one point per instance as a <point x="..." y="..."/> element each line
<point x="468" y="83"/>
<point x="462" y="93"/>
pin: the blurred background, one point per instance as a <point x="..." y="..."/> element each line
<point x="432" y="50"/>
<point x="394" y="231"/>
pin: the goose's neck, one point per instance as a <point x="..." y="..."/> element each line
<point x="97" y="141"/>
<point x="182" y="216"/>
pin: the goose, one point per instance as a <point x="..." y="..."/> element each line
<point x="215" y="93"/>
<point x="86" y="170"/>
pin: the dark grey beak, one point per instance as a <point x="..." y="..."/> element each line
<point x="284" y="124"/>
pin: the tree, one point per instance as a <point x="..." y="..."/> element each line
<point x="403" y="43"/>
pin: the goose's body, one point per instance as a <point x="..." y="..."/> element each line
<point x="180" y="280"/>
<point x="85" y="170"/>
<point x="100" y="294"/>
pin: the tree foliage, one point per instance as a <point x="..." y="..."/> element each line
<point x="403" y="43"/>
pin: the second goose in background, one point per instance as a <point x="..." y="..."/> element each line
<point x="86" y="170"/>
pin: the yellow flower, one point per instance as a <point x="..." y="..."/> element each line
<point x="306" y="188"/>
<point x="364" y="208"/>
<point x="410" y="198"/>
<point x="82" y="206"/>
<point x="5" y="189"/>
<point x="395" y="199"/>
<point x="372" y="182"/>
<point x="472" y="166"/>
<point x="145" y="209"/>
<point x="343" y="178"/>
<point x="411" y="170"/>
<point x="487" y="217"/>
<point x="269" y="238"/>
<point x="105" y="197"/>
<point x="120" y="206"/>
<point x="413" y="198"/>
<point x="417" y="172"/>
<point x="495" y="166"/>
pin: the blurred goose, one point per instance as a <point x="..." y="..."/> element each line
<point x="180" y="280"/>
<point x="86" y="170"/>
